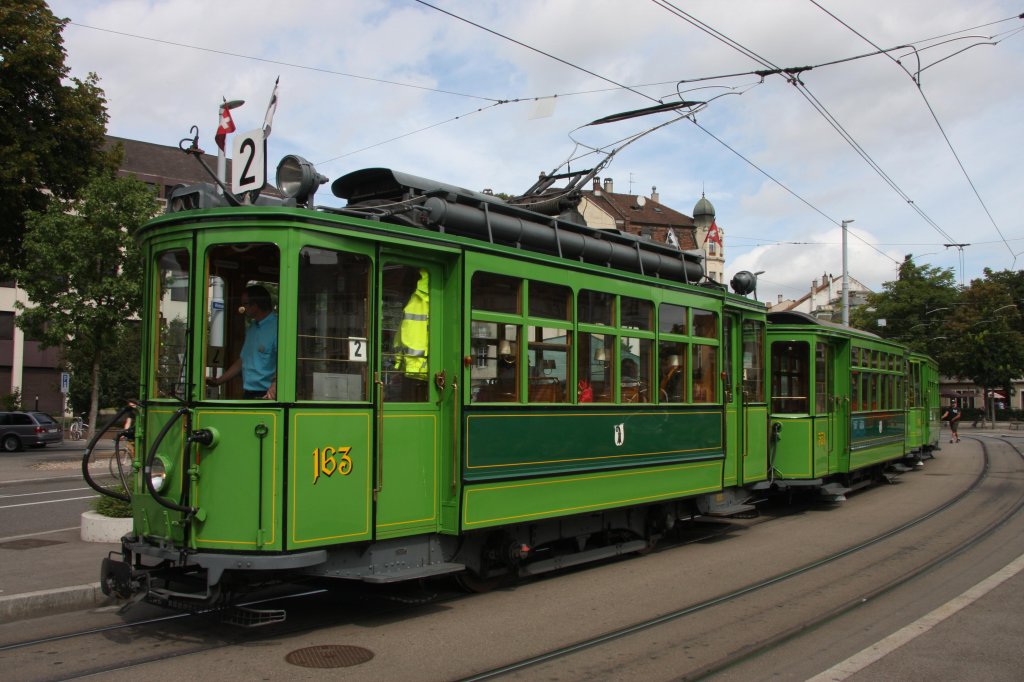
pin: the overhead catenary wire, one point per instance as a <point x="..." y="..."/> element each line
<point x="806" y="93"/>
<point x="537" y="50"/>
<point x="785" y="187"/>
<point x="917" y="81"/>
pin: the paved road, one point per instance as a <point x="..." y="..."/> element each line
<point x="42" y="491"/>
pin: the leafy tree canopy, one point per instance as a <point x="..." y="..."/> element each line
<point x="914" y="307"/>
<point x="984" y="334"/>
<point x="976" y="334"/>
<point x="52" y="128"/>
<point x="83" y="273"/>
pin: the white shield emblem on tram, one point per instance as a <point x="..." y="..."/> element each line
<point x="620" y="434"/>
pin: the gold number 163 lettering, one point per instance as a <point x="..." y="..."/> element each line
<point x="324" y="462"/>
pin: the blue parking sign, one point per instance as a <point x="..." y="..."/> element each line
<point x="65" y="381"/>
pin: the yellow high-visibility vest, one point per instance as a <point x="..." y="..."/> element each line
<point x="414" y="331"/>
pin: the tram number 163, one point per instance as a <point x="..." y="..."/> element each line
<point x="328" y="461"/>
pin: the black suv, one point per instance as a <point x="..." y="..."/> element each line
<point x="18" y="429"/>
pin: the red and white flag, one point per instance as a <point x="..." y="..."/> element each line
<point x="227" y="125"/>
<point x="713" y="234"/>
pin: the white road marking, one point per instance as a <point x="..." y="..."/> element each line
<point x="877" y="651"/>
<point x="31" y="504"/>
<point x="47" y="492"/>
<point x="42" y="532"/>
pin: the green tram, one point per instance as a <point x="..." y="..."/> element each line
<point x="846" y="405"/>
<point x="462" y="385"/>
<point x="459" y="385"/>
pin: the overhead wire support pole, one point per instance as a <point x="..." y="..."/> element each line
<point x="960" y="247"/>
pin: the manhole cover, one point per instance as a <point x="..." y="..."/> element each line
<point x="29" y="543"/>
<point x="329" y="656"/>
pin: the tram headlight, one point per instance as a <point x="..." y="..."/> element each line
<point x="159" y="472"/>
<point x="297" y="179"/>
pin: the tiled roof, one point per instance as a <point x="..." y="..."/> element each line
<point x="162" y="164"/>
<point x="652" y="214"/>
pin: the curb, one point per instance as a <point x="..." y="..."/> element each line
<point x="47" y="602"/>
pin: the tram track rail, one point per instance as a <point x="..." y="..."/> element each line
<point x="201" y="641"/>
<point x="764" y="645"/>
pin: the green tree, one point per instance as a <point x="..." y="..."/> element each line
<point x="986" y="344"/>
<point x="52" y="127"/>
<point x="83" y="273"/>
<point x="914" y="306"/>
<point x="119" y="372"/>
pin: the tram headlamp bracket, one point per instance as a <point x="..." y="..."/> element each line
<point x="297" y="179"/>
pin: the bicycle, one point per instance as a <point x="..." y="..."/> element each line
<point x="78" y="429"/>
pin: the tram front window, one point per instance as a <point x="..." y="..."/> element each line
<point x="241" y="325"/>
<point x="333" y="326"/>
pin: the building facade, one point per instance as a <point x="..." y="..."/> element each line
<point x="605" y="209"/>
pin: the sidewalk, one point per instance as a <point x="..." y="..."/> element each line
<point x="53" y="572"/>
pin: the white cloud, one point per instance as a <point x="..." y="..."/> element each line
<point x="156" y="91"/>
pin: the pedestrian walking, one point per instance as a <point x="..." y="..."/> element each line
<point x="952" y="413"/>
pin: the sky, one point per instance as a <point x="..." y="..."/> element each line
<point x="486" y="95"/>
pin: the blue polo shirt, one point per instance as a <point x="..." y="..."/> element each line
<point x="259" y="354"/>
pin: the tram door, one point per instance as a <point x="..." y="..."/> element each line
<point x="415" y="395"/>
<point x="824" y="410"/>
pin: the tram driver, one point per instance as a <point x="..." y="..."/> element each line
<point x="258" y="361"/>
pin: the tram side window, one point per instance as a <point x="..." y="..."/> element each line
<point x="548" y="356"/>
<point x="494" y="376"/>
<point x="705" y="374"/>
<point x="496" y="293"/>
<point x="596" y="307"/>
<point x="173" y="268"/>
<point x="595" y="359"/>
<point x="672" y="370"/>
<point x="241" y="347"/>
<point x="552" y="301"/>
<point x="637" y="313"/>
<point x="790" y="377"/>
<point x="495" y="337"/>
<point x="753" y="361"/>
<point x="637" y="368"/>
<point x="332" y="357"/>
<point x="705" y="324"/>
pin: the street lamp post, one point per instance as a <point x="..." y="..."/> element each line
<point x="846" y="280"/>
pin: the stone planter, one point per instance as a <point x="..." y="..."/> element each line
<point x="99" y="528"/>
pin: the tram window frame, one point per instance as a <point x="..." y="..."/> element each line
<point x="328" y="300"/>
<point x="496" y="332"/>
<point x="791" y="376"/>
<point x="635" y="385"/>
<point x="237" y="265"/>
<point x="164" y="279"/>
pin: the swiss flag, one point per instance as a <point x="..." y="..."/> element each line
<point x="713" y="234"/>
<point x="226" y="126"/>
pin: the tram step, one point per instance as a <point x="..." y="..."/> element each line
<point x="834" y="492"/>
<point x="596" y="554"/>
<point x="414" y="572"/>
<point x="900" y="468"/>
<point x="731" y="510"/>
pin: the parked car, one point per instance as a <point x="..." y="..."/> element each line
<point x="35" y="429"/>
